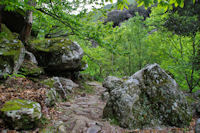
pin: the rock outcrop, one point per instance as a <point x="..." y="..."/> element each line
<point x="58" y="56"/>
<point x="21" y="114"/>
<point x="118" y="16"/>
<point x="149" y="98"/>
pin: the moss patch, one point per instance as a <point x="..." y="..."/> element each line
<point x="17" y="105"/>
<point x="6" y="33"/>
<point x="49" y="82"/>
<point x="51" y="45"/>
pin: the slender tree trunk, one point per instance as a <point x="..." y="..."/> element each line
<point x="100" y="71"/>
<point x="26" y="31"/>
<point x="112" y="63"/>
<point x="140" y="55"/>
<point x="129" y="58"/>
<point x="0" y="22"/>
<point x="1" y="8"/>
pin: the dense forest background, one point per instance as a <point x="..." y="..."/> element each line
<point x="161" y="32"/>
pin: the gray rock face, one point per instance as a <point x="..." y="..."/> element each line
<point x="112" y="82"/>
<point x="149" y="98"/>
<point x="29" y="56"/>
<point x="58" y="56"/>
<point x="21" y="114"/>
<point x="64" y="86"/>
<point x="60" y="89"/>
<point x="105" y="96"/>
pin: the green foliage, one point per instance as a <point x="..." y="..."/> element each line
<point x="163" y="3"/>
<point x="127" y="52"/>
<point x="138" y="43"/>
<point x="177" y="52"/>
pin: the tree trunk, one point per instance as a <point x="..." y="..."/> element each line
<point x="27" y="27"/>
<point x="1" y="8"/>
<point x="26" y="31"/>
<point x="0" y="22"/>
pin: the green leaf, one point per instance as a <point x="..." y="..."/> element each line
<point x="182" y="4"/>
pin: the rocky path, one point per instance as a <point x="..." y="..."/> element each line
<point x="83" y="114"/>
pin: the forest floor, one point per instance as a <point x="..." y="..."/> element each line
<point x="82" y="113"/>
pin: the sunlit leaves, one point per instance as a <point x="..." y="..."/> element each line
<point x="163" y="3"/>
<point x="122" y="3"/>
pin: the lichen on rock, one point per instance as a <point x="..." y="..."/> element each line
<point x="149" y="98"/>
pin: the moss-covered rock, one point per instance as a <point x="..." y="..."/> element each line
<point x="28" y="68"/>
<point x="58" y="56"/>
<point x="21" y="114"/>
<point x="10" y="50"/>
<point x="52" y="45"/>
<point x="149" y="98"/>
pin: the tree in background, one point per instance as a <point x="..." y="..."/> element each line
<point x="179" y="46"/>
<point x="131" y="45"/>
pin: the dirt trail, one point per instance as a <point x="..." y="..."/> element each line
<point x="83" y="114"/>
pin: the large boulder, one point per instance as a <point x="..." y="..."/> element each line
<point x="11" y="53"/>
<point x="58" y="56"/>
<point x="21" y="114"/>
<point x="149" y="98"/>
